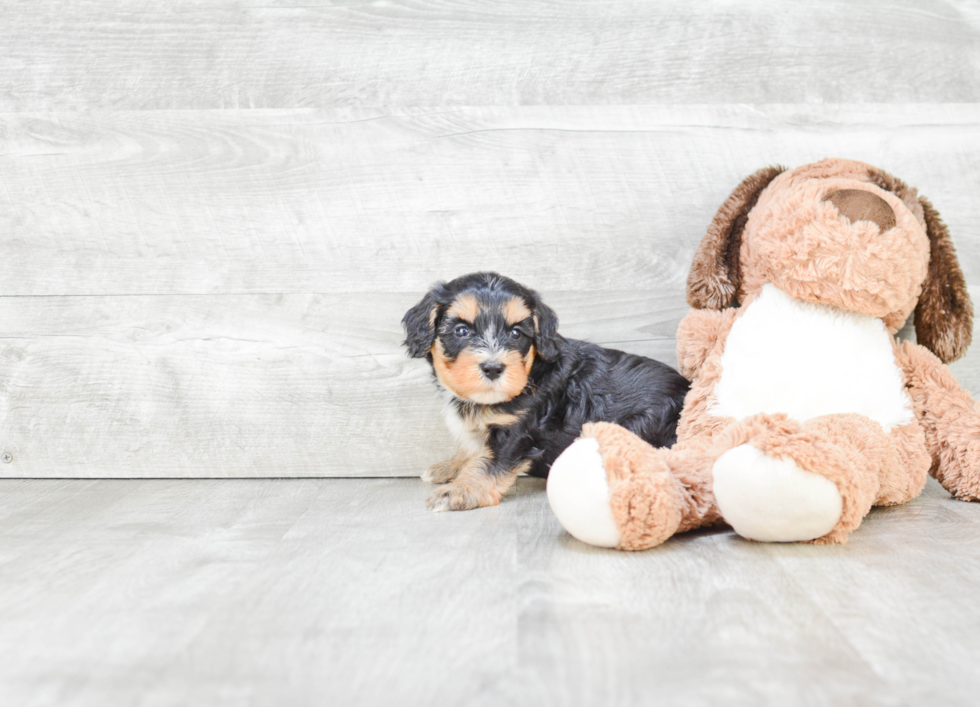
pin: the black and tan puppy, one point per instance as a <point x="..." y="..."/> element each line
<point x="517" y="393"/>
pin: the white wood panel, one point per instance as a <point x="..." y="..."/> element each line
<point x="265" y="54"/>
<point x="254" y="385"/>
<point x="192" y="215"/>
<point x="213" y="215"/>
<point x="348" y="592"/>
<point x="587" y="198"/>
<point x="248" y="385"/>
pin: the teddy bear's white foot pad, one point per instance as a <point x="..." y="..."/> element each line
<point x="579" y="494"/>
<point x="773" y="500"/>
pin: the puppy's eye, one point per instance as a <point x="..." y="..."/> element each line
<point x="461" y="331"/>
<point x="516" y="333"/>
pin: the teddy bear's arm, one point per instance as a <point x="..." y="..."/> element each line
<point x="697" y="335"/>
<point x="950" y="418"/>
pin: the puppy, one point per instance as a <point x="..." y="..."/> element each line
<point x="517" y="393"/>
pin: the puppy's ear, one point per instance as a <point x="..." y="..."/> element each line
<point x="546" y="341"/>
<point x="716" y="276"/>
<point x="420" y="322"/>
<point x="944" y="314"/>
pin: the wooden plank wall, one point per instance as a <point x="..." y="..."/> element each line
<point x="213" y="215"/>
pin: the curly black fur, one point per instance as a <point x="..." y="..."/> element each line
<point x="570" y="382"/>
<point x="587" y="383"/>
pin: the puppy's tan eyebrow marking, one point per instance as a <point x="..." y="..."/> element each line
<point x="515" y="311"/>
<point x="465" y="307"/>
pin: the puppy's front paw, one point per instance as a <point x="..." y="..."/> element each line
<point x="460" y="497"/>
<point x="442" y="472"/>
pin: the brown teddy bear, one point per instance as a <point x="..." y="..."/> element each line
<point x="804" y="410"/>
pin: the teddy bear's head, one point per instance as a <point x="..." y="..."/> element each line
<point x="841" y="233"/>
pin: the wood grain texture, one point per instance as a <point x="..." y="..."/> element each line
<point x="289" y="54"/>
<point x="249" y="385"/>
<point x="334" y="591"/>
<point x="253" y="385"/>
<point x="219" y="295"/>
<point x="584" y="198"/>
<point x="213" y="215"/>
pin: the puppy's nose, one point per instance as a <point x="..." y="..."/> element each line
<point x="492" y="369"/>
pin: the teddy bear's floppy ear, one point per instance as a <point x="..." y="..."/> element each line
<point x="716" y="275"/>
<point x="944" y="314"/>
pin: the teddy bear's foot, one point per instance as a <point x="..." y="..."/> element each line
<point x="579" y="494"/>
<point x="773" y="499"/>
<point x="612" y="489"/>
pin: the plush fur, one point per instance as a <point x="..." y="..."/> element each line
<point x="815" y="360"/>
<point x="517" y="393"/>
<point x="716" y="275"/>
<point x="772" y="498"/>
<point x="804" y="412"/>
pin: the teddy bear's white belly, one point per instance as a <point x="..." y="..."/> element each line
<point x="806" y="360"/>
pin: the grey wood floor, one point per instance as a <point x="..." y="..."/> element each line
<point x="346" y="591"/>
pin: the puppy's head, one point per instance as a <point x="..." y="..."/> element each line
<point x="482" y="333"/>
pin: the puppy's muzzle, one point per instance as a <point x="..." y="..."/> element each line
<point x="492" y="369"/>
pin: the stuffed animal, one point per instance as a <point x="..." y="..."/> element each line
<point x="804" y="410"/>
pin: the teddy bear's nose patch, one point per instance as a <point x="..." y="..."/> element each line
<point x="860" y="205"/>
